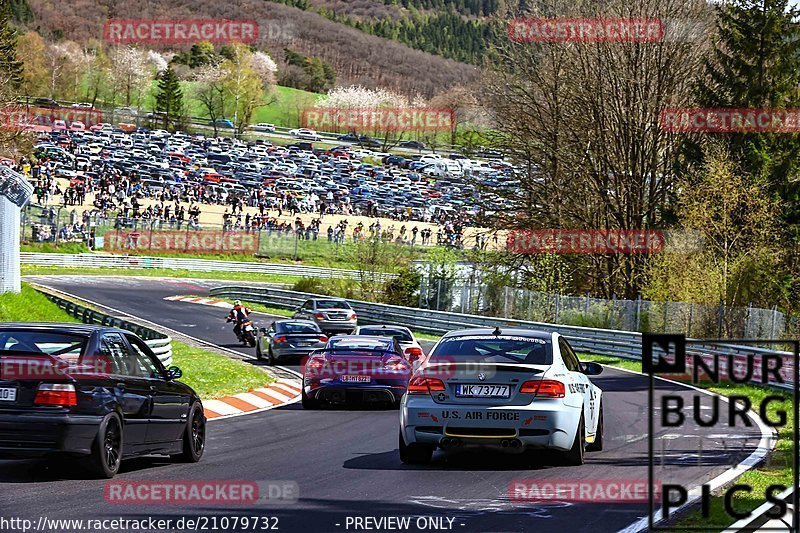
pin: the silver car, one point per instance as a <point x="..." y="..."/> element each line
<point x="330" y="314"/>
<point x="286" y="339"/>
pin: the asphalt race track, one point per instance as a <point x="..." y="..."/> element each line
<point x="346" y="462"/>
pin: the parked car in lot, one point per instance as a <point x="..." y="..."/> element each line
<point x="411" y="348"/>
<point x="356" y="368"/>
<point x="510" y="390"/>
<point x="305" y="133"/>
<point x="331" y="315"/>
<point x="285" y="339"/>
<point x="264" y="127"/>
<point x="416" y="145"/>
<point x="222" y="123"/>
<point x="95" y="393"/>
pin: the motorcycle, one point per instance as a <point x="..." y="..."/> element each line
<point x="247" y="332"/>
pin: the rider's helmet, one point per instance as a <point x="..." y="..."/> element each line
<point x="237" y="302"/>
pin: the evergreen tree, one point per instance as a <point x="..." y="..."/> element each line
<point x="169" y="99"/>
<point x="756" y="64"/>
<point x="10" y="67"/>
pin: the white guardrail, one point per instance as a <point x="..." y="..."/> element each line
<point x="616" y="343"/>
<point x="160" y="343"/>
<point x="92" y="260"/>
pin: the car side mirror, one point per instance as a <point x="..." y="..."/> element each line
<point x="591" y="369"/>
<point x="174" y="372"/>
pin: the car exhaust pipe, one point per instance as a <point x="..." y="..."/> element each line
<point x="448" y="442"/>
<point x="505" y="443"/>
<point x="516" y="443"/>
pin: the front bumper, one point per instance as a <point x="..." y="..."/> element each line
<point x="40" y="434"/>
<point x="550" y="424"/>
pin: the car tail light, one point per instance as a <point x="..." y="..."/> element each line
<point x="395" y="363"/>
<point x="315" y="364"/>
<point x="323" y="338"/>
<point x="56" y="394"/>
<point x="413" y="353"/>
<point x="544" y="388"/>
<point x="281" y="338"/>
<point x="354" y="316"/>
<point x="320" y="316"/>
<point x="423" y="385"/>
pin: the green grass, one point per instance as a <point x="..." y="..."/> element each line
<point x="612" y="361"/>
<point x="33" y="270"/>
<point x="282" y="109"/>
<point x="776" y="470"/>
<point x="272" y="250"/>
<point x="30" y="306"/>
<point x="212" y="375"/>
<point x="50" y="248"/>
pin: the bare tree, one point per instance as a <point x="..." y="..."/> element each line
<point x="583" y="119"/>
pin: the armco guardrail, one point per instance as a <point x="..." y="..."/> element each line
<point x="158" y="342"/>
<point x="624" y="344"/>
<point x="90" y="260"/>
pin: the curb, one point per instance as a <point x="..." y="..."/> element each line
<point x="197" y="300"/>
<point x="281" y="392"/>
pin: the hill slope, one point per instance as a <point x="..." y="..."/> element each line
<point x="358" y="58"/>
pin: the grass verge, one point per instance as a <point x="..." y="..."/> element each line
<point x="777" y="469"/>
<point x="34" y="270"/>
<point x="31" y="306"/>
<point x="210" y="374"/>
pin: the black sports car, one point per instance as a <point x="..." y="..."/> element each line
<point x="94" y="392"/>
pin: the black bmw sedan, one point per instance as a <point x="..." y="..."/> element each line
<point x="93" y="392"/>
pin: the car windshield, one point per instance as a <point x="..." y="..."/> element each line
<point x="61" y="345"/>
<point x="332" y="304"/>
<point x="399" y="334"/>
<point x="494" y="349"/>
<point x="296" y="327"/>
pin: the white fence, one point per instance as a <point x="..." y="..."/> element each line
<point x="90" y="260"/>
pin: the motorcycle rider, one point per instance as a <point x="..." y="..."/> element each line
<point x="238" y="314"/>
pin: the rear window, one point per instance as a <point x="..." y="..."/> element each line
<point x="65" y="346"/>
<point x="290" y="327"/>
<point x="332" y="304"/>
<point x="399" y="334"/>
<point x="359" y="345"/>
<point x="503" y="349"/>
